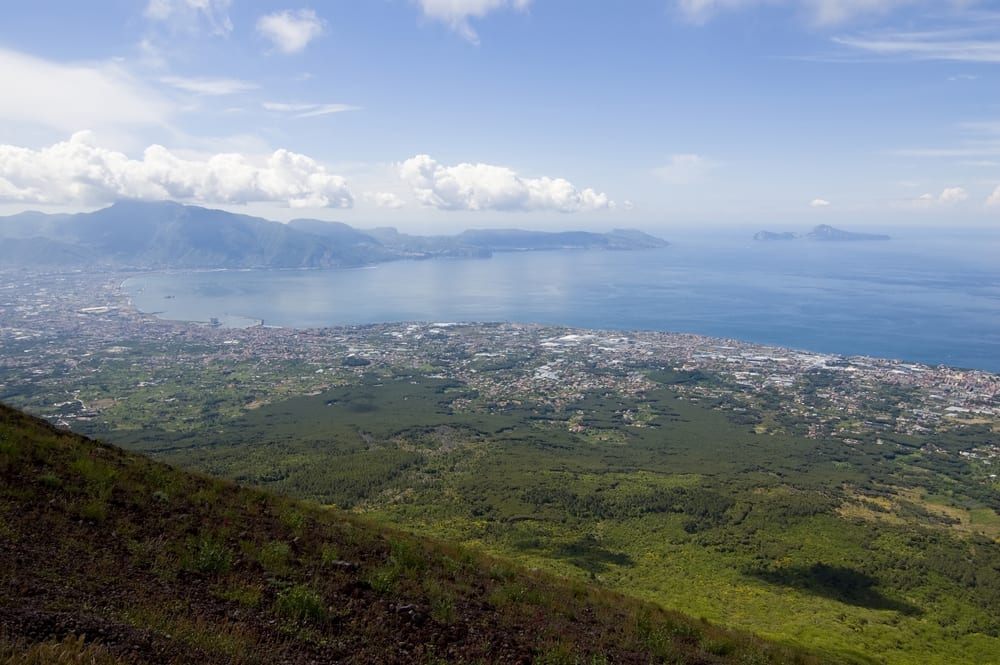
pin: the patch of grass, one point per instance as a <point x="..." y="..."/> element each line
<point x="294" y="520"/>
<point x="329" y="553"/>
<point x="225" y="640"/>
<point x="559" y="654"/>
<point x="70" y="651"/>
<point x="405" y="562"/>
<point x="441" y="599"/>
<point x="207" y="494"/>
<point x="405" y="556"/>
<point x="50" y="479"/>
<point x="383" y="579"/>
<point x="275" y="556"/>
<point x="93" y="473"/>
<point x="93" y="510"/>
<point x="517" y="593"/>
<point x="239" y="591"/>
<point x="210" y="556"/>
<point x="300" y="604"/>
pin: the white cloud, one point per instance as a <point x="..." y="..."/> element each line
<point x="684" y="169"/>
<point x="953" y="195"/>
<point x="189" y="13"/>
<point x="290" y="31"/>
<point x="927" y="46"/>
<point x="79" y="171"/>
<point x="281" y="107"/>
<point x="385" y="200"/>
<point x="820" y="12"/>
<point x="308" y="110"/>
<point x="69" y="96"/>
<point x="967" y="37"/>
<point x="994" y="198"/>
<point x="488" y="187"/>
<point x="456" y="13"/>
<point x="820" y="203"/>
<point x="209" y="86"/>
<point x="948" y="196"/>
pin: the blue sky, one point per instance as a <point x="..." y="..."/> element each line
<point x="446" y="114"/>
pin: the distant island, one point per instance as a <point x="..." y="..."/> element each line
<point x="823" y="233"/>
<point x="164" y="234"/>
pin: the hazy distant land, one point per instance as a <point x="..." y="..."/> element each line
<point x="158" y="235"/>
<point x="821" y="233"/>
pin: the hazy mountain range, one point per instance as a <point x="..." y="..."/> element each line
<point x="136" y="234"/>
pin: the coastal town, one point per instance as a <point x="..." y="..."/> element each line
<point x="74" y="350"/>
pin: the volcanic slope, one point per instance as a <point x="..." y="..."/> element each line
<point x="108" y="557"/>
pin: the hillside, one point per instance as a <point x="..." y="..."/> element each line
<point x="108" y="557"/>
<point x="163" y="234"/>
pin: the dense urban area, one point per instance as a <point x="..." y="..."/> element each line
<point x="58" y="332"/>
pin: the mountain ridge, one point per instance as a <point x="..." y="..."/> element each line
<point x="166" y="234"/>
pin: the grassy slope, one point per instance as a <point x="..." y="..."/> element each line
<point x="155" y="565"/>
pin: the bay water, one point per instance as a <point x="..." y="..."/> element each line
<point x="924" y="297"/>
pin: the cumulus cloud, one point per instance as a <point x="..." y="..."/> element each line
<point x="948" y="196"/>
<point x="290" y="31"/>
<point x="189" y="13"/>
<point x="994" y="198"/>
<point x="684" y="169"/>
<point x="456" y="13"/>
<point x="69" y="96"/>
<point x="209" y="86"/>
<point x="79" y="171"/>
<point x="953" y="195"/>
<point x="819" y="203"/>
<point x="385" y="200"/>
<point x="308" y="110"/>
<point x="488" y="187"/>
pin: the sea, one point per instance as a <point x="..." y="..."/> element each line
<point x="925" y="296"/>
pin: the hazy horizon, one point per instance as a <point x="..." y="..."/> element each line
<point x="896" y="227"/>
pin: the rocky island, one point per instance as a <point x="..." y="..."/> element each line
<point x="823" y="233"/>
